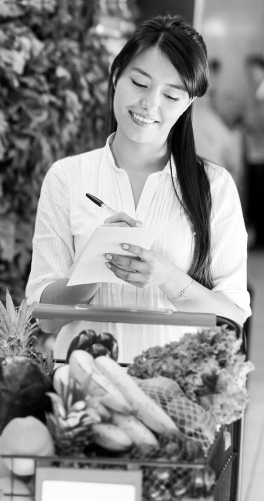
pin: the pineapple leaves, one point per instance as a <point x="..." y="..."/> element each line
<point x="26" y="310"/>
<point x="21" y="315"/>
<point x="10" y="308"/>
<point x="16" y="329"/>
<point x="5" y="322"/>
<point x="3" y="334"/>
<point x="55" y="398"/>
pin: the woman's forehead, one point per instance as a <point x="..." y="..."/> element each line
<point x="154" y="63"/>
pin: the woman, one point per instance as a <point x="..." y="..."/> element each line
<point x="148" y="172"/>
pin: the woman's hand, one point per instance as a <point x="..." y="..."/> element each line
<point x="145" y="269"/>
<point x="121" y="219"/>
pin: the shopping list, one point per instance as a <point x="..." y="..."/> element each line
<point x="90" y="266"/>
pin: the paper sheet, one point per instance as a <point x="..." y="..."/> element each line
<point x="90" y="267"/>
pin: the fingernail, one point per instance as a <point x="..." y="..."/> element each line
<point x="108" y="265"/>
<point x="108" y="256"/>
<point x="125" y="246"/>
<point x="139" y="224"/>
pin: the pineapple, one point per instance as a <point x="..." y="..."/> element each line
<point x="16" y="331"/>
<point x="71" y="423"/>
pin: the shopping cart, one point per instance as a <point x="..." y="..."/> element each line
<point x="223" y="462"/>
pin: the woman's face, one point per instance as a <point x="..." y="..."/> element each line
<point x="149" y="98"/>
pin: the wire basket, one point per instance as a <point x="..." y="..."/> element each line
<point x="161" y="480"/>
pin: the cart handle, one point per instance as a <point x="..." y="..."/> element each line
<point x="123" y="315"/>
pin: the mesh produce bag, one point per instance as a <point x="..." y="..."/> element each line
<point x="166" y="388"/>
<point x="191" y="419"/>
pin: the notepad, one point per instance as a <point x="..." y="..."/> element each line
<point x="90" y="266"/>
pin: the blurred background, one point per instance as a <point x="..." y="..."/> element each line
<point x="54" y="63"/>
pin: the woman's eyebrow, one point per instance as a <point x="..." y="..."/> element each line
<point x="175" y="86"/>
<point x="139" y="70"/>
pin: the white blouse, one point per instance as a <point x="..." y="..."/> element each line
<point x="66" y="220"/>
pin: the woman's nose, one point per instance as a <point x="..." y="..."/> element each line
<point x="150" y="101"/>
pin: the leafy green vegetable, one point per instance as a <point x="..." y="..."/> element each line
<point x="208" y="366"/>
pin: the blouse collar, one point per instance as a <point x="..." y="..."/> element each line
<point x="110" y="159"/>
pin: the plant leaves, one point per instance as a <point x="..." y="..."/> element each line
<point x="4" y="333"/>
<point x="9" y="8"/>
<point x="54" y="68"/>
<point x="11" y="311"/>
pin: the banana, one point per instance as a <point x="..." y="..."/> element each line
<point x="61" y="379"/>
<point x="96" y="403"/>
<point x="110" y="437"/>
<point x="83" y="376"/>
<point x="143" y="407"/>
<point x="135" y="430"/>
<point x="85" y="372"/>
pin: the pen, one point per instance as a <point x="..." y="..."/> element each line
<point x="100" y="203"/>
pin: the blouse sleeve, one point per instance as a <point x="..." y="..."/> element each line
<point x="53" y="247"/>
<point x="229" y="241"/>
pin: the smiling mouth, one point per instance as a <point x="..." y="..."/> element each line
<point x="142" y="120"/>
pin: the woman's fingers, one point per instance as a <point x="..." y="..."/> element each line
<point x="121" y="217"/>
<point x="117" y="224"/>
<point x="138" y="251"/>
<point x="126" y="275"/>
<point x="142" y="268"/>
<point x="125" y="262"/>
<point x="145" y="268"/>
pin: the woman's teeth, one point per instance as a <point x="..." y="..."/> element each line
<point x="141" y="119"/>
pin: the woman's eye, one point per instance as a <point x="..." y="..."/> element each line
<point x="138" y="84"/>
<point x="172" y="98"/>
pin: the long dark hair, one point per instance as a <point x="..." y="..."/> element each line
<point x="186" y="50"/>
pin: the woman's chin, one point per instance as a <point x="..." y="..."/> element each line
<point x="143" y="136"/>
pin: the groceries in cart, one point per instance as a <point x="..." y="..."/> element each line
<point x="168" y="406"/>
<point x="209" y="368"/>
<point x="95" y="344"/>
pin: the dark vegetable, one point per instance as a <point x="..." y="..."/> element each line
<point x="109" y="341"/>
<point x="103" y="344"/>
<point x="98" y="350"/>
<point x="23" y="387"/>
<point x="83" y="341"/>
